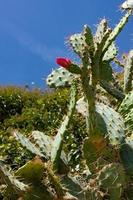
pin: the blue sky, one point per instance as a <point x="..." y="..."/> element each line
<point x="33" y="32"/>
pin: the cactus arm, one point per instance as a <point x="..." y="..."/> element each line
<point x="100" y="38"/>
<point x="128" y="73"/>
<point x="26" y="143"/>
<point x="110" y="53"/>
<point x="12" y="182"/>
<point x="116" y="31"/>
<point x="126" y="153"/>
<point x="89" y="92"/>
<point x="126" y="110"/>
<point x="58" y="141"/>
<point x="112" y="90"/>
<point x="112" y="179"/>
<point x="44" y="142"/>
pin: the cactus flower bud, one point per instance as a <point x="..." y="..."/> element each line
<point x="64" y="62"/>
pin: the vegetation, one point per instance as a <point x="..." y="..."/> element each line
<point x="83" y="155"/>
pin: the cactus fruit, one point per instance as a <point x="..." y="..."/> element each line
<point x="64" y="62"/>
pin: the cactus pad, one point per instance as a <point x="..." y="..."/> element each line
<point x="101" y="30"/>
<point x="114" y="122"/>
<point x="110" y="53"/>
<point x="105" y="71"/>
<point x="60" y="78"/>
<point x="126" y="153"/>
<point x="112" y="180"/>
<point x="82" y="43"/>
<point x="44" y="142"/>
<point x="116" y="31"/>
<point x="13" y="184"/>
<point x="25" y="142"/>
<point x="126" y="109"/>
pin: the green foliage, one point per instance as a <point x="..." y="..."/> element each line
<point x="39" y="111"/>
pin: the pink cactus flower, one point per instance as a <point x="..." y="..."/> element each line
<point x="64" y="62"/>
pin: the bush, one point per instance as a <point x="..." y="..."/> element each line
<point x="28" y="111"/>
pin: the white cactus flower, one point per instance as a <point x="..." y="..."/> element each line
<point x="128" y="4"/>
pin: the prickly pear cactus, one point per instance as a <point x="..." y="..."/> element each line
<point x="107" y="146"/>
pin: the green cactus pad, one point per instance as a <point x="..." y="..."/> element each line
<point x="100" y="38"/>
<point x="126" y="153"/>
<point x="105" y="71"/>
<point x="92" y="150"/>
<point x="110" y="53"/>
<point x="60" y="78"/>
<point x="78" y="44"/>
<point x="101" y="30"/>
<point x="114" y="122"/>
<point x="112" y="180"/>
<point x="116" y="31"/>
<point x="44" y="142"/>
<point x="82" y="43"/>
<point x="25" y="142"/>
<point x="32" y="171"/>
<point x="13" y="184"/>
<point x="112" y="90"/>
<point x="73" y="186"/>
<point x="89" y="40"/>
<point x="126" y="109"/>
